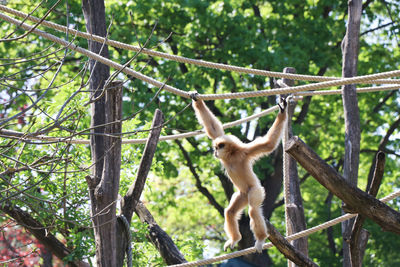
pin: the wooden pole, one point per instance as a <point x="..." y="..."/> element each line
<point x="350" y="47"/>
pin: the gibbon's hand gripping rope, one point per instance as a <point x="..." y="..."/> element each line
<point x="179" y="58"/>
<point x="138" y="75"/>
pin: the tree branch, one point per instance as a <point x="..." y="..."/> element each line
<point x="132" y="197"/>
<point x="358" y="200"/>
<point x="377" y="28"/>
<point x="160" y="239"/>
<point x="289" y="251"/>
<point x="358" y="239"/>
<point x="39" y="231"/>
<point x="350" y="50"/>
<point x="131" y="203"/>
<point x="382" y="147"/>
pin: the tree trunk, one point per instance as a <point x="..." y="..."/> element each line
<point x="350" y="47"/>
<point x="105" y="193"/>
<point x="103" y="186"/>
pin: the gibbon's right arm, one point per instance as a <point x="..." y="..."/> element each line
<point x="268" y="143"/>
<point x="211" y="124"/>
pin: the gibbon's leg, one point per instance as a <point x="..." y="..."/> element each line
<point x="256" y="196"/>
<point x="232" y="214"/>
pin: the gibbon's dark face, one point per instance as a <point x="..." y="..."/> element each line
<point x="218" y="149"/>
<point x="226" y="146"/>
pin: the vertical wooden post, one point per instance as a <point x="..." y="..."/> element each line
<point x="350" y="47"/>
<point x="295" y="220"/>
<point x="104" y="192"/>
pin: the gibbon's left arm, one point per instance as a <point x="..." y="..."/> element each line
<point x="211" y="124"/>
<point x="269" y="142"/>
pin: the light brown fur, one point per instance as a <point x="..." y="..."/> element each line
<point x="238" y="158"/>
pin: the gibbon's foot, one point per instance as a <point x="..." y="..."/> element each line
<point x="230" y="243"/>
<point x="193" y="95"/>
<point x="258" y="245"/>
<point x="282" y="104"/>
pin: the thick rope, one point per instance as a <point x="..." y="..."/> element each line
<point x="129" y="240"/>
<point x="358" y="90"/>
<point x="178" y="58"/>
<point x="138" y="75"/>
<point x="286" y="194"/>
<point x="286" y="182"/>
<point x="289" y="238"/>
<point x="296" y="89"/>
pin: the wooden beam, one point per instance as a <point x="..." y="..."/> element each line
<point x="360" y="201"/>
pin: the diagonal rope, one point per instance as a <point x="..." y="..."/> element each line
<point x="178" y="58"/>
<point x="147" y="79"/>
<point x="290" y="238"/>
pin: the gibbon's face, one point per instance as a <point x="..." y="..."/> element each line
<point x="218" y="149"/>
<point x="225" y="146"/>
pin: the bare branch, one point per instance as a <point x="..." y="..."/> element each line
<point x="359" y="237"/>
<point x="39" y="231"/>
<point x="286" y="248"/>
<point x="160" y="239"/>
<point x="132" y="197"/>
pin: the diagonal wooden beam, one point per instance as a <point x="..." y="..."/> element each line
<point x="132" y="197"/>
<point x="360" y="201"/>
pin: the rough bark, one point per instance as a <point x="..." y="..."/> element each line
<point x="101" y="196"/>
<point x="105" y="193"/>
<point x="160" y="239"/>
<point x="289" y="251"/>
<point x="350" y="47"/>
<point x="360" y="201"/>
<point x="359" y="236"/>
<point x="294" y="202"/>
<point x="133" y="195"/>
<point x="94" y="13"/>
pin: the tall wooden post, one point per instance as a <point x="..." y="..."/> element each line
<point x="350" y="46"/>
<point x="104" y="188"/>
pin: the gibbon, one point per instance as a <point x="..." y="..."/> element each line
<point x="237" y="159"/>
